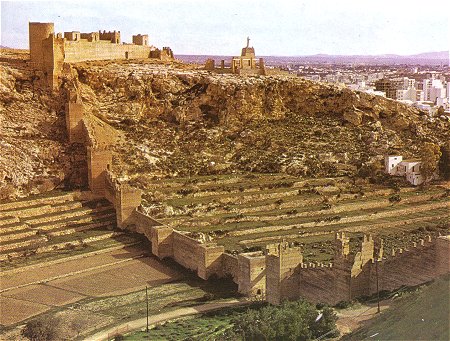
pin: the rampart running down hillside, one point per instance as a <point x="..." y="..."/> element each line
<point x="279" y="272"/>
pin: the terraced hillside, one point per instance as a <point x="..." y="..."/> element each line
<point x="246" y="212"/>
<point x="57" y="220"/>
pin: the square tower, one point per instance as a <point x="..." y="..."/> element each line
<point x="140" y="39"/>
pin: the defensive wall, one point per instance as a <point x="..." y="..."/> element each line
<point x="49" y="51"/>
<point x="279" y="272"/>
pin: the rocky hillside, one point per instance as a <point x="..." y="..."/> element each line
<point x="34" y="156"/>
<point x="179" y="120"/>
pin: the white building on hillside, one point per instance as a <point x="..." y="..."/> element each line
<point x="395" y="165"/>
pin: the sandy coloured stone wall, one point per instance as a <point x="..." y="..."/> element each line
<point x="49" y="51"/>
<point x="98" y="162"/>
<point x="185" y="251"/>
<point x="74" y="124"/>
<point x="83" y="50"/>
<point x="230" y="266"/>
<point x="314" y="283"/>
<point x="411" y="267"/>
<point x="251" y="275"/>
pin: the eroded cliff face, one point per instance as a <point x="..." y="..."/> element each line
<point x="34" y="155"/>
<point x="181" y="121"/>
<point x="178" y="120"/>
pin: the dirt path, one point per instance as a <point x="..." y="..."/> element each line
<point x="142" y="322"/>
<point x="353" y="318"/>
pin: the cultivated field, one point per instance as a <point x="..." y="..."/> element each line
<point x="246" y="212"/>
<point x="29" y="292"/>
<point x="98" y="291"/>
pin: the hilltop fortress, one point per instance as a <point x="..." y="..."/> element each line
<point x="49" y="51"/>
<point x="275" y="274"/>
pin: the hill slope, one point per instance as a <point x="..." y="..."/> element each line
<point x="34" y="154"/>
<point x="182" y="121"/>
<point x="422" y="315"/>
<point x="178" y="120"/>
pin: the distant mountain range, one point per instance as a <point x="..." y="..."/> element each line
<point x="426" y="55"/>
<point x="427" y="58"/>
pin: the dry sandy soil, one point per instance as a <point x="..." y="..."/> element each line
<point x="28" y="293"/>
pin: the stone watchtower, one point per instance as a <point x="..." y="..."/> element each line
<point x="37" y="33"/>
<point x="140" y="39"/>
<point x="282" y="260"/>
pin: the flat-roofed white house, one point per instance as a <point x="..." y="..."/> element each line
<point x="395" y="165"/>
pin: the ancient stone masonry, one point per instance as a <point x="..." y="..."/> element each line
<point x="353" y="276"/>
<point x="279" y="273"/>
<point x="245" y="64"/>
<point x="49" y="51"/>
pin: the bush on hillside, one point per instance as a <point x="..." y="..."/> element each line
<point x="45" y="328"/>
<point x="297" y="320"/>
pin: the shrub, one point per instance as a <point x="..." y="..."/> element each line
<point x="395" y="198"/>
<point x="45" y="328"/>
<point x="343" y="304"/>
<point x="290" y="321"/>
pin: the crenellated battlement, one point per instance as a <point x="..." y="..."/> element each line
<point x="49" y="51"/>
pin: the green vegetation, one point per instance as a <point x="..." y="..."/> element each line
<point x="45" y="328"/>
<point x="420" y="315"/>
<point x="248" y="211"/>
<point x="206" y="327"/>
<point x="298" y="320"/>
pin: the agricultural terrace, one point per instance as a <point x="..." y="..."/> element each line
<point x="247" y="212"/>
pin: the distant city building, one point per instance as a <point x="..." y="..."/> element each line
<point x="437" y="90"/>
<point x="390" y="86"/>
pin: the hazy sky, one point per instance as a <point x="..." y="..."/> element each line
<point x="279" y="27"/>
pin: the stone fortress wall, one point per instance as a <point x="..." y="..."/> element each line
<point x="276" y="274"/>
<point x="49" y="51"/>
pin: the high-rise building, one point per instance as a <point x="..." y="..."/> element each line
<point x="437" y="90"/>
